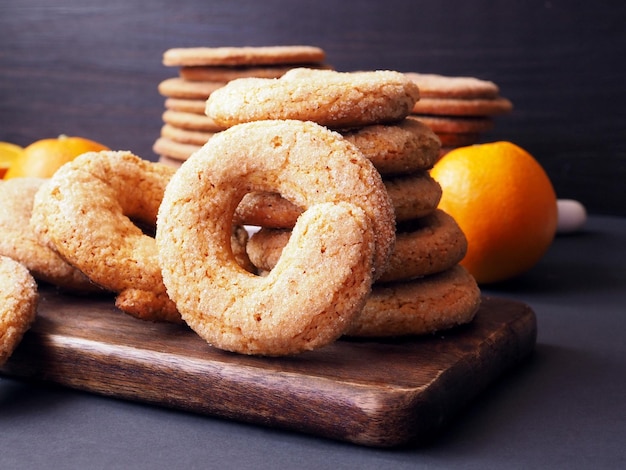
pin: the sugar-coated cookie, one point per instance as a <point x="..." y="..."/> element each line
<point x="18" y="304"/>
<point x="419" y="306"/>
<point x="330" y="98"/>
<point x="19" y="242"/>
<point x="343" y="238"/>
<point x="89" y="210"/>
<point x="425" y="246"/>
<point x="399" y="148"/>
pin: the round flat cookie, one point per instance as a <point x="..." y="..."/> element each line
<point x="413" y="196"/>
<point x="400" y="148"/>
<point x="227" y="73"/>
<point x="19" y="241"/>
<point x="419" y="306"/>
<point x="185" y="136"/>
<point x="191" y="121"/>
<point x="248" y="55"/>
<point x="174" y="150"/>
<point x="170" y="161"/>
<point x="456" y="124"/>
<point x="177" y="87"/>
<point x="440" y="86"/>
<point x="332" y="99"/>
<point x="267" y="210"/>
<point x="425" y="246"/>
<point x="186" y="105"/>
<point x="462" y="107"/>
<point x="18" y="305"/>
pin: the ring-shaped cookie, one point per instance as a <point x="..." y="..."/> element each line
<point x="88" y="213"/>
<point x="19" y="242"/>
<point x="325" y="273"/>
<point x="18" y="304"/>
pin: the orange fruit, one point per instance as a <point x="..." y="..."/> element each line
<point x="505" y="204"/>
<point x="44" y="157"/>
<point x="9" y="152"/>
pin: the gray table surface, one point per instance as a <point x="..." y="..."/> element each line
<point x="564" y="408"/>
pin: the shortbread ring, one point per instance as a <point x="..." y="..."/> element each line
<point x="321" y="282"/>
<point x="18" y="304"/>
<point x="19" y="242"/>
<point x="86" y="212"/>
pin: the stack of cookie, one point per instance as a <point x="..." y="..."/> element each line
<point x="423" y="288"/>
<point x="458" y="109"/>
<point x="202" y="70"/>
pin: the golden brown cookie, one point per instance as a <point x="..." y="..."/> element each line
<point x="330" y="98"/>
<point x="195" y="106"/>
<point x="463" y="107"/>
<point x="177" y="87"/>
<point x="419" y="306"/>
<point x="170" y="161"/>
<point x="265" y="209"/>
<point x="190" y="121"/>
<point x="414" y="195"/>
<point x="18" y="305"/>
<point x="404" y="147"/>
<point x="425" y="246"/>
<point x="219" y="73"/>
<point x="185" y="136"/>
<point x="411" y="196"/>
<point x="176" y="151"/>
<point x="345" y="235"/>
<point x="441" y="86"/>
<point x="87" y="212"/>
<point x="456" y="124"/>
<point x="19" y="242"/>
<point x="241" y="56"/>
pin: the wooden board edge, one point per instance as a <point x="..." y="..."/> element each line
<point x="375" y="419"/>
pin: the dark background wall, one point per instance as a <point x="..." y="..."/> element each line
<point x="91" y="67"/>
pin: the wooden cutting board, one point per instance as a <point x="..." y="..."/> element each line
<point x="376" y="393"/>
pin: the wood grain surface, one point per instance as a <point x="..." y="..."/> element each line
<point x="370" y="392"/>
